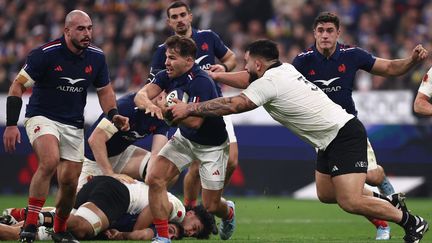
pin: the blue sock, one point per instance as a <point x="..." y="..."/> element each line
<point x="386" y="187"/>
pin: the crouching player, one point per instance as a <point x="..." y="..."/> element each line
<point x="109" y="151"/>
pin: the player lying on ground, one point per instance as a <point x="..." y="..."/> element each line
<point x="107" y="203"/>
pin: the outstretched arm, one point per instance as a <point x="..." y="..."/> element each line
<point x="396" y="67"/>
<point x="238" y="80"/>
<point x="216" y="107"/>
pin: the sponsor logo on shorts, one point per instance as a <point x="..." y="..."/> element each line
<point x="335" y="168"/>
<point x="216" y="172"/>
<point x="361" y="164"/>
<point x="37" y="129"/>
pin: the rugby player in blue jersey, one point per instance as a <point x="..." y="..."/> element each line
<point x="197" y="139"/>
<point x="209" y="47"/>
<point x="332" y="66"/>
<point x="110" y="151"/>
<point x="60" y="73"/>
<point x="306" y="110"/>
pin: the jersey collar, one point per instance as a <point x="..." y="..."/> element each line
<point x="69" y="53"/>
<point x="334" y="56"/>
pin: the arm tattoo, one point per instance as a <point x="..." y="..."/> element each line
<point x="222" y="106"/>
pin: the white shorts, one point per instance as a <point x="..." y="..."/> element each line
<point x="91" y="168"/>
<point x="213" y="159"/>
<point x="230" y="129"/>
<point x="71" y="139"/>
<point x="372" y="163"/>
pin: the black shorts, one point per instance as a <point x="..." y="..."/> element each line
<point x="108" y="194"/>
<point x="347" y="153"/>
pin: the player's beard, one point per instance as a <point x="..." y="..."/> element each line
<point x="252" y="76"/>
<point x="77" y="44"/>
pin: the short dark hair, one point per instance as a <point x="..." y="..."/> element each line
<point x="207" y="219"/>
<point x="264" y="48"/>
<point x="185" y="46"/>
<point x="177" y="4"/>
<point x="326" y="17"/>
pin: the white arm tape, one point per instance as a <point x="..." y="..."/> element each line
<point x="108" y="127"/>
<point x="178" y="212"/>
<point x="90" y="217"/>
<point x="30" y="82"/>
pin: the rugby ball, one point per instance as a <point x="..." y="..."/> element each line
<point x="176" y="93"/>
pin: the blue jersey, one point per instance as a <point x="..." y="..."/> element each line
<point x="200" y="87"/>
<point x="141" y="125"/>
<point x="61" y="81"/>
<point x="209" y="47"/>
<point x="335" y="75"/>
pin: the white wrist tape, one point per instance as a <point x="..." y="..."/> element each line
<point x="107" y="127"/>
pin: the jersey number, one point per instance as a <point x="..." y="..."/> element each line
<point x="312" y="86"/>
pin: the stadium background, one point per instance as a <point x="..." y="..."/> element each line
<point x="272" y="160"/>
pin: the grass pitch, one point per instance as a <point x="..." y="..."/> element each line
<point x="281" y="219"/>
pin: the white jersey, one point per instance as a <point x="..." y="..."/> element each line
<point x="138" y="193"/>
<point x="298" y="104"/>
<point x="426" y="84"/>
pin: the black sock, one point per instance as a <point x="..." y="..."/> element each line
<point x="381" y="196"/>
<point x="408" y="220"/>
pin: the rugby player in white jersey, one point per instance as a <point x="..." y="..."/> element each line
<point x="306" y="110"/>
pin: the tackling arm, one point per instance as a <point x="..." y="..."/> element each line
<point x="143" y="100"/>
<point x="217" y="107"/>
<point x="107" y="101"/>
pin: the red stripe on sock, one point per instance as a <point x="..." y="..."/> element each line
<point x="230" y="213"/>
<point x="379" y="222"/>
<point x="34" y="207"/>
<point x="161" y="227"/>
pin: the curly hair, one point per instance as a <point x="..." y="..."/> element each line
<point x="207" y="219"/>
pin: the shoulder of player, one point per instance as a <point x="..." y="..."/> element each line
<point x="206" y="33"/>
<point x="96" y="50"/>
<point x="343" y="48"/>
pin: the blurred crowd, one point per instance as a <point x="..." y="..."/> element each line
<point x="129" y="31"/>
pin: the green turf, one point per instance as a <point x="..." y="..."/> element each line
<point x="287" y="220"/>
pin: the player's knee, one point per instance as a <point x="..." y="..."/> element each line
<point x="155" y="181"/>
<point x="47" y="168"/>
<point x="326" y="198"/>
<point x="375" y="177"/>
<point x="350" y="204"/>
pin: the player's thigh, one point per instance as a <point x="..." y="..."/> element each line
<point x="193" y="169"/>
<point x="44" y="137"/>
<point x="89" y="169"/>
<point x="212" y="170"/>
<point x="173" y="158"/>
<point x="133" y="162"/>
<point x="68" y="171"/>
<point x="349" y="187"/>
<point x="71" y="143"/>
<point x="324" y="187"/>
